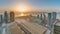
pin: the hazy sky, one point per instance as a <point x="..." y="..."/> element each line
<point x="34" y="3"/>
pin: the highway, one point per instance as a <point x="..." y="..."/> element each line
<point x="23" y="26"/>
<point x="32" y="28"/>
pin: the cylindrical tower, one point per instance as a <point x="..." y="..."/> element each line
<point x="12" y="16"/>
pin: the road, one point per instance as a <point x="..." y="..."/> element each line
<point x="23" y="26"/>
<point x="31" y="27"/>
<point x="11" y="28"/>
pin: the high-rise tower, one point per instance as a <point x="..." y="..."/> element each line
<point x="12" y="16"/>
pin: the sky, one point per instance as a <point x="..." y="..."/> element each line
<point x="5" y="4"/>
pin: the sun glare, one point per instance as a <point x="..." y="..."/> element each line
<point x="21" y="14"/>
<point x="22" y="8"/>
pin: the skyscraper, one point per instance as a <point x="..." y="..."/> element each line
<point x="6" y="17"/>
<point x="41" y="16"/>
<point x="54" y="16"/>
<point x="49" y="20"/>
<point x="12" y="16"/>
<point x="1" y="20"/>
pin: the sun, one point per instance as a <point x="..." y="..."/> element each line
<point x="22" y="8"/>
